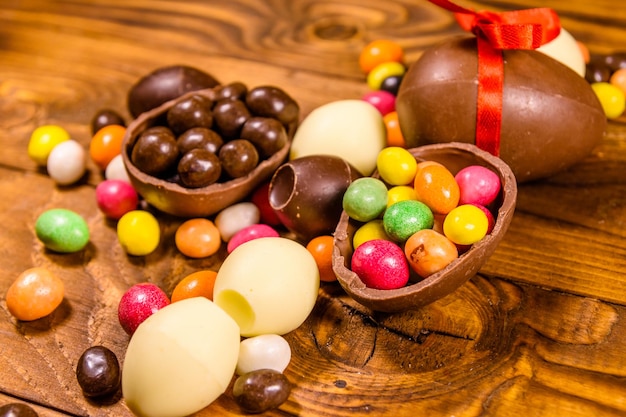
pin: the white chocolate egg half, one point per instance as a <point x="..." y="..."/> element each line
<point x="266" y="351"/>
<point x="180" y="359"/>
<point x="268" y="285"/>
<point x="350" y="129"/>
<point x="564" y="49"/>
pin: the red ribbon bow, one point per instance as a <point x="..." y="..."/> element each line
<point x="520" y="29"/>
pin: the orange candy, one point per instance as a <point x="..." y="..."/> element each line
<point x="106" y="144"/>
<point x="429" y="252"/>
<point x="321" y="247"/>
<point x="618" y="79"/>
<point x="379" y="52"/>
<point x="36" y="293"/>
<point x="197" y="284"/>
<point x="394" y="134"/>
<point x="436" y="187"/>
<point x="198" y="238"/>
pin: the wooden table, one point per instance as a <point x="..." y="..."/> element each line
<point x="540" y="331"/>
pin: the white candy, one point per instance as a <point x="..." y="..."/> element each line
<point x="115" y="170"/>
<point x="564" y="49"/>
<point x="67" y="162"/>
<point x="180" y="359"/>
<point x="235" y="218"/>
<point x="268" y="285"/>
<point x="266" y="351"/>
<point x="350" y="129"/>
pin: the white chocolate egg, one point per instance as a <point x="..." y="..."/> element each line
<point x="116" y="170"/>
<point x="67" y="162"/>
<point x="235" y="218"/>
<point x="268" y="285"/>
<point x="564" y="49"/>
<point x="180" y="359"/>
<point x="266" y="351"/>
<point x="350" y="129"/>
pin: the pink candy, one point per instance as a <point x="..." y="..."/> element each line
<point x="381" y="264"/>
<point x="138" y="303"/>
<point x="384" y="101"/>
<point x="116" y="198"/>
<point x="249" y="233"/>
<point x="478" y="185"/>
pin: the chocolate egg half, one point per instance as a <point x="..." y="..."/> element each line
<point x="551" y="117"/>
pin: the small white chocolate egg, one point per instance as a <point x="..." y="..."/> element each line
<point x="67" y="162"/>
<point x="116" y="170"/>
<point x="235" y="218"/>
<point x="350" y="129"/>
<point x="268" y="285"/>
<point x="564" y="49"/>
<point x="266" y="351"/>
<point x="180" y="359"/>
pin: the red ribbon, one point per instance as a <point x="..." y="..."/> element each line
<point x="520" y="29"/>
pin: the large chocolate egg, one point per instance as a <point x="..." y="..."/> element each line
<point x="551" y="117"/>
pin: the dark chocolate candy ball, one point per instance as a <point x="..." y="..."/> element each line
<point x="238" y="157"/>
<point x="98" y="372"/>
<point x="17" y="410"/>
<point x="199" y="168"/>
<point x="616" y="60"/>
<point x="106" y="117"/>
<point x="233" y="91"/>
<point x="261" y="390"/>
<point x="551" y="117"/>
<point x="199" y="137"/>
<point x="268" y="101"/>
<point x="597" y="72"/>
<point x="166" y="84"/>
<point x="267" y="134"/>
<point x="391" y="84"/>
<point x="191" y="112"/>
<point x="229" y="117"/>
<point x="155" y="151"/>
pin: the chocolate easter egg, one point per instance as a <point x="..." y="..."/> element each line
<point x="551" y="118"/>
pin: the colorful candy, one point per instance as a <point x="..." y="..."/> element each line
<point x="67" y="162"/>
<point x="236" y="217"/>
<point x="383" y="101"/>
<point x="138" y="232"/>
<point x="34" y="294"/>
<point x="436" y="187"/>
<point x="62" y="230"/>
<point x="465" y="224"/>
<point x="429" y="252"/>
<point x="396" y="166"/>
<point x="116" y="170"/>
<point x="392" y="127"/>
<point x="116" y="198"/>
<point x="380" y="72"/>
<point x="400" y="193"/>
<point x="405" y="218"/>
<point x="138" y="303"/>
<point x="477" y="185"/>
<point x="378" y="52"/>
<point x="266" y="351"/>
<point x="321" y="247"/>
<point x="198" y="238"/>
<point x="371" y="230"/>
<point x="249" y="233"/>
<point x="611" y="98"/>
<point x="380" y="264"/>
<point x="98" y="372"/>
<point x="106" y="144"/>
<point x="365" y="199"/>
<point x="196" y="284"/>
<point x="43" y="140"/>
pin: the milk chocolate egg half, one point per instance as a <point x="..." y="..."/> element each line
<point x="551" y="118"/>
<point x="180" y="359"/>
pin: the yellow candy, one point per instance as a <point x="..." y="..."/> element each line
<point x="611" y="98"/>
<point x="381" y="71"/>
<point x="396" y="165"/>
<point x="43" y="140"/>
<point x="369" y="231"/>
<point x="465" y="224"/>
<point x="400" y="193"/>
<point x="138" y="232"/>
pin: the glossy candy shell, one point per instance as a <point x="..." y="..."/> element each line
<point x="454" y="156"/>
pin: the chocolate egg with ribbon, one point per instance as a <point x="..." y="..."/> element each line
<point x="541" y="118"/>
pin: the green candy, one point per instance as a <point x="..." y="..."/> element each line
<point x="404" y="218"/>
<point x="365" y="199"/>
<point x="62" y="230"/>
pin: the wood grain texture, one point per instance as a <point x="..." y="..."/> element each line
<point x="540" y="331"/>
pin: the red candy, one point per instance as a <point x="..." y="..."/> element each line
<point x="116" y="198"/>
<point x="384" y="101"/>
<point x="249" y="233"/>
<point x="261" y="199"/>
<point x="138" y="303"/>
<point x="477" y="185"/>
<point x="380" y="264"/>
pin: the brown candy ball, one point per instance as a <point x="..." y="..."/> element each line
<point x="199" y="168"/>
<point x="199" y="137"/>
<point x="238" y="157"/>
<point x="268" y="101"/>
<point x="261" y="390"/>
<point x="232" y="91"/>
<point x="194" y="111"/>
<point x="98" y="372"/>
<point x="17" y="410"/>
<point x="229" y="117"/>
<point x="267" y="134"/>
<point x="106" y="117"/>
<point x="155" y="151"/>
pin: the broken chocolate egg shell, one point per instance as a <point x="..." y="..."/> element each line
<point x="454" y="156"/>
<point x="551" y="118"/>
<point x="172" y="198"/>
